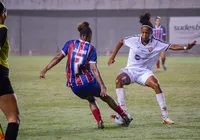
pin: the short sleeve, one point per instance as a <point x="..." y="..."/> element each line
<point x="66" y="46"/>
<point x="129" y="41"/>
<point x="93" y="55"/>
<point x="3" y="35"/>
<point x="163" y="46"/>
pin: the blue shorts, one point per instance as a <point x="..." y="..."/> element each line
<point x="91" y="89"/>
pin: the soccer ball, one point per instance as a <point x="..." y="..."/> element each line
<point x="119" y="120"/>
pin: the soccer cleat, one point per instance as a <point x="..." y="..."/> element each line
<point x="164" y="67"/>
<point x="158" y="70"/>
<point x="168" y="121"/>
<point x="1" y="133"/>
<point x="127" y="120"/>
<point x="100" y="125"/>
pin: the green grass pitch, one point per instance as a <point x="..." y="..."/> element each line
<point x="50" y="111"/>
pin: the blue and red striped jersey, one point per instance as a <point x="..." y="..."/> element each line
<point x="79" y="55"/>
<point x="159" y="32"/>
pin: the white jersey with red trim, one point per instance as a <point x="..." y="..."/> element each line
<point x="144" y="56"/>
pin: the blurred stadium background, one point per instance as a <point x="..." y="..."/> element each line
<point x="41" y="27"/>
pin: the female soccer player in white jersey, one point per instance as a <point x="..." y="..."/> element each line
<point x="143" y="55"/>
<point x="83" y="76"/>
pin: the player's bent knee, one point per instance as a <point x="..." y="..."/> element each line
<point x="90" y="99"/>
<point x="156" y="86"/>
<point x="118" y="83"/>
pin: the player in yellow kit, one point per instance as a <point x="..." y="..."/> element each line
<point x="8" y="101"/>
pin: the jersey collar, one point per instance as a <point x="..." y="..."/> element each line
<point x="158" y="27"/>
<point x="84" y="41"/>
<point x="150" y="41"/>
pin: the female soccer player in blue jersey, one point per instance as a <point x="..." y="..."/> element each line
<point x="8" y="101"/>
<point x="83" y="76"/>
<point x="143" y="55"/>
<point x="159" y="32"/>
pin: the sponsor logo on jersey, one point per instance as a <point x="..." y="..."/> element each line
<point x="137" y="57"/>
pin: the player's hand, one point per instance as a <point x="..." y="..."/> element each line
<point x="190" y="45"/>
<point x="42" y="74"/>
<point x="111" y="61"/>
<point x="103" y="91"/>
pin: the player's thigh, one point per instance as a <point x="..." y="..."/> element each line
<point x="163" y="54"/>
<point x="142" y="79"/>
<point x="153" y="82"/>
<point x="125" y="77"/>
<point x="8" y="104"/>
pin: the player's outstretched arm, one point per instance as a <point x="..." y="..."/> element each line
<point x="178" y="47"/>
<point x="97" y="75"/>
<point x="53" y="62"/>
<point x="117" y="48"/>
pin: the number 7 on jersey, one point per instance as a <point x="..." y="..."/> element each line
<point x="78" y="61"/>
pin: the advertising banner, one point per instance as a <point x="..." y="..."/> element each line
<point x="184" y="29"/>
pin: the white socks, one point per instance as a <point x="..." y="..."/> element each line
<point x="161" y="101"/>
<point x="121" y="97"/>
<point x="160" y="98"/>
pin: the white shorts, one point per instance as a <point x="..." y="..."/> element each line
<point x="139" y="76"/>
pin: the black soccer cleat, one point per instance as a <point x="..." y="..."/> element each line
<point x="127" y="120"/>
<point x="100" y="125"/>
